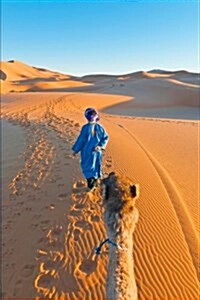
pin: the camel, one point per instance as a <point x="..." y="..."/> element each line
<point x="120" y="217"/>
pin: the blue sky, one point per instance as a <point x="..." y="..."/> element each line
<point x="112" y="37"/>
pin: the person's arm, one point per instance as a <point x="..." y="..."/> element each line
<point x="79" y="142"/>
<point x="104" y="139"/>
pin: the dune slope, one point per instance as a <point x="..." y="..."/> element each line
<point x="51" y="224"/>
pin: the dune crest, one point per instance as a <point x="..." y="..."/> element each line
<point x="19" y="77"/>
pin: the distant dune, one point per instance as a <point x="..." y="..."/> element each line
<point x="19" y="77"/>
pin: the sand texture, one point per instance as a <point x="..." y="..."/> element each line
<point x="51" y="224"/>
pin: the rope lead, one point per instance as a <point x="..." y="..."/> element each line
<point x="98" y="249"/>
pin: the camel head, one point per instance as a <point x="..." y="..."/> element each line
<point x="119" y="195"/>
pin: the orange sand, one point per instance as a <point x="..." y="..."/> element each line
<point x="51" y="225"/>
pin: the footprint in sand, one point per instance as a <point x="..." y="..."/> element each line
<point x="108" y="163"/>
<point x="88" y="266"/>
<point x="12" y="197"/>
<point x="32" y="198"/>
<point x="34" y="225"/>
<point x="83" y="224"/>
<point x="69" y="156"/>
<point x="57" y="230"/>
<point x="28" y="208"/>
<point x="76" y="234"/>
<point x="75" y="197"/>
<point x="44" y="222"/>
<point x="94" y="218"/>
<point x="27" y="270"/>
<point x="17" y="213"/>
<point x="79" y="186"/>
<point x="45" y="282"/>
<point x="75" y="213"/>
<point x="52" y="207"/>
<point x="52" y="180"/>
<point x="18" y="282"/>
<point x="37" y="217"/>
<point x="79" y="206"/>
<point x="77" y="209"/>
<point x="92" y="207"/>
<point x="62" y="196"/>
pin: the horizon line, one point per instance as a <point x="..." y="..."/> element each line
<point x="102" y="73"/>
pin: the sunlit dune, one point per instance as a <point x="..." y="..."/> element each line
<point x="52" y="224"/>
<point x="19" y="77"/>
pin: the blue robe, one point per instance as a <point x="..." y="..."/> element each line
<point x="91" y="136"/>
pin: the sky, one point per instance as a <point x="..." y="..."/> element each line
<point x="110" y="37"/>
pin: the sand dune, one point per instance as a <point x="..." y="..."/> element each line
<point x="51" y="224"/>
<point x="19" y="77"/>
<point x="64" y="224"/>
<point x="154" y="93"/>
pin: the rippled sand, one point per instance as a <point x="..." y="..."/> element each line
<point x="51" y="224"/>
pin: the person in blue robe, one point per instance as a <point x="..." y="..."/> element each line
<point x="91" y="141"/>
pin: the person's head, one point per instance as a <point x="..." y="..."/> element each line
<point x="91" y="115"/>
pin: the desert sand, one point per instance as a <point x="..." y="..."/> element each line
<point x="51" y="224"/>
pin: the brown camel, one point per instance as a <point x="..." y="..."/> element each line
<point x="120" y="217"/>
